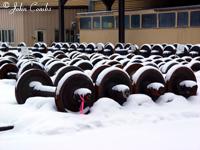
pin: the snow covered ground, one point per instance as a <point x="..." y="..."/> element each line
<point x="171" y="124"/>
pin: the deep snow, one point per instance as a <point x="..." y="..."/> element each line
<point x="173" y="123"/>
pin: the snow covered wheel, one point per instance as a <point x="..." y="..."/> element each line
<point x="53" y="67"/>
<point x="164" y="69"/>
<point x="62" y="71"/>
<point x="29" y="65"/>
<point x="9" y="54"/>
<point x="75" y="60"/>
<point x="130" y="55"/>
<point x="58" y="53"/>
<point x="61" y="56"/>
<point x="181" y="81"/>
<point x="11" y="58"/>
<point x="37" y="54"/>
<point x="74" y="86"/>
<point x="194" y="65"/>
<point x="44" y="60"/>
<point x="5" y="61"/>
<point x="84" y="57"/>
<point x="113" y="83"/>
<point x="118" y="66"/>
<point x="148" y="80"/>
<point x="157" y="49"/>
<point x="169" y="50"/>
<point x="108" y="49"/>
<point x="23" y="90"/>
<point x="51" y="61"/>
<point x="74" y="93"/>
<point x="145" y="50"/>
<point x="112" y="62"/>
<point x="84" y="64"/>
<point x="132" y="68"/>
<point x="113" y="56"/>
<point x="187" y="58"/>
<point x="8" y="71"/>
<point x="96" y="60"/>
<point x="96" y="71"/>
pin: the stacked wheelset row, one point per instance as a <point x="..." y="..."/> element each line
<point x="108" y="49"/>
<point x="77" y="79"/>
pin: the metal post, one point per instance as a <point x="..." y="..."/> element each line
<point x="121" y="21"/>
<point x="61" y="20"/>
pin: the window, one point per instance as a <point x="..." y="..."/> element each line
<point x="85" y="23"/>
<point x="40" y="36"/>
<point x="108" y="22"/>
<point x="167" y="20"/>
<point x="135" y="21"/>
<point x="4" y="36"/>
<point x="0" y="36"/>
<point x="10" y="36"/>
<point x="149" y="21"/>
<point x="96" y="22"/>
<point x="195" y="18"/>
<point x="56" y="38"/>
<point x="182" y="19"/>
<point x="7" y="36"/>
<point x="127" y="22"/>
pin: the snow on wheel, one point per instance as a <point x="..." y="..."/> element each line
<point x="29" y="65"/>
<point x="132" y="68"/>
<point x="53" y="67"/>
<point x="194" y="65"/>
<point x="62" y="71"/>
<point x="74" y="93"/>
<point x="181" y="81"/>
<point x="113" y="83"/>
<point x="84" y="64"/>
<point x="97" y="70"/>
<point x="8" y="71"/>
<point x="72" y="88"/>
<point x="23" y="90"/>
<point x="148" y="80"/>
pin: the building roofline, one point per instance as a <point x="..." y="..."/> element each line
<point x="178" y="8"/>
<point x="128" y="10"/>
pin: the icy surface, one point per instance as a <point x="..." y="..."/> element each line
<point x="172" y="123"/>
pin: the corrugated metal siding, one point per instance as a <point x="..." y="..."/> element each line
<point x="13" y="22"/>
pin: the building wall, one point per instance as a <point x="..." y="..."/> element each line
<point x="12" y="22"/>
<point x="143" y="35"/>
<point x="46" y="21"/>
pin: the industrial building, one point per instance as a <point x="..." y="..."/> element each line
<point x="145" y="22"/>
<point x="151" y="21"/>
<point x="38" y="21"/>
